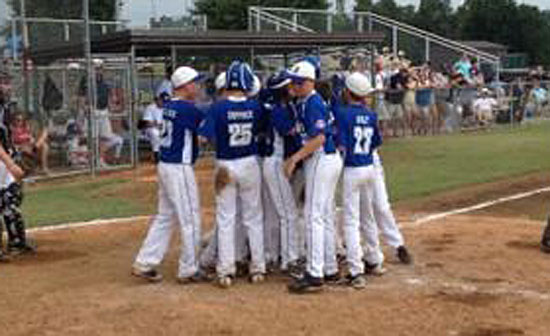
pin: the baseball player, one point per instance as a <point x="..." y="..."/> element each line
<point x="232" y="125"/>
<point x="545" y="242"/>
<point x="178" y="196"/>
<point x="322" y="170"/>
<point x="281" y="143"/>
<point x="11" y="191"/>
<point x="357" y="137"/>
<point x="378" y="217"/>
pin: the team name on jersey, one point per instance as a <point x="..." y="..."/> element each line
<point x="240" y="115"/>
<point x="362" y="120"/>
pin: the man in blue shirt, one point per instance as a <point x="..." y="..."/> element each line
<point x="178" y="194"/>
<point x="232" y="125"/>
<point x="322" y="170"/>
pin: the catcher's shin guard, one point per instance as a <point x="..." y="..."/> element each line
<point x="545" y="241"/>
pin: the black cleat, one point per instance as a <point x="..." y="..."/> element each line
<point x="545" y="241"/>
<point x="403" y="255"/>
<point x="306" y="284"/>
<point x="151" y="275"/>
<point x="198" y="277"/>
<point x="333" y="279"/>
<point x="356" y="282"/>
<point x="4" y="258"/>
<point x="28" y="247"/>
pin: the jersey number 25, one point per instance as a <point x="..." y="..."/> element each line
<point x="240" y="135"/>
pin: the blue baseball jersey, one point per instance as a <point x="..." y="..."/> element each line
<point x="181" y="120"/>
<point x="280" y="132"/>
<point x="313" y="119"/>
<point x="232" y="125"/>
<point x="357" y="134"/>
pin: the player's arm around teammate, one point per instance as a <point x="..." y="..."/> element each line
<point x="231" y="124"/>
<point x="177" y="189"/>
<point x="322" y="169"/>
<point x="357" y="136"/>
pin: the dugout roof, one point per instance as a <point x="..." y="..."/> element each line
<point x="159" y="42"/>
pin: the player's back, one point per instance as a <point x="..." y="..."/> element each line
<point x="179" y="138"/>
<point x="233" y="125"/>
<point x="357" y="133"/>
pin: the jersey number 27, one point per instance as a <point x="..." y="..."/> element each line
<point x="363" y="136"/>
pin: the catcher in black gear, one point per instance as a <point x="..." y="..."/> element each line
<point x="545" y="242"/>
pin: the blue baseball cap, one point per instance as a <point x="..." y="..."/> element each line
<point x="239" y="76"/>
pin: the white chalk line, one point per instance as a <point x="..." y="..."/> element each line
<point x="483" y="205"/>
<point x="415" y="223"/>
<point x="92" y="223"/>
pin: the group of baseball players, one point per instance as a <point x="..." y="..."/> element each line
<point x="280" y="153"/>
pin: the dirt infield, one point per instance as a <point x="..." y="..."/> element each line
<point x="473" y="275"/>
<point x="479" y="274"/>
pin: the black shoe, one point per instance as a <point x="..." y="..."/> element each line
<point x="295" y="270"/>
<point x="198" y="277"/>
<point x="27" y="247"/>
<point x="545" y="241"/>
<point x="151" y="275"/>
<point x="403" y="255"/>
<point x="357" y="282"/>
<point x="306" y="284"/>
<point x="4" y="258"/>
<point x="374" y="269"/>
<point x="333" y="279"/>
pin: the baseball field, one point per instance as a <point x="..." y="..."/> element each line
<point x="477" y="271"/>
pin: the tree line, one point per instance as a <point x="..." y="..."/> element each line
<point x="522" y="28"/>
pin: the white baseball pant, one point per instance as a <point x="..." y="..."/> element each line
<point x="298" y="184"/>
<point x="177" y="200"/>
<point x="209" y="254"/>
<point x="322" y="174"/>
<point x="280" y="190"/>
<point x="272" y="230"/>
<point x="378" y="216"/>
<point x="358" y="184"/>
<point x="245" y="185"/>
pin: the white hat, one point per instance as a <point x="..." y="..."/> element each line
<point x="485" y="90"/>
<point x="221" y="81"/>
<point x="302" y="70"/>
<point x="256" y="87"/>
<point x="358" y="84"/>
<point x="183" y="75"/>
<point x="401" y="53"/>
<point x="98" y="62"/>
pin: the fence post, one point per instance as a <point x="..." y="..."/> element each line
<point x="329" y="23"/>
<point x="394" y="40"/>
<point x="427" y="50"/>
<point x="14" y="45"/>
<point x="360" y="19"/>
<point x="258" y="20"/>
<point x="369" y="18"/>
<point x="295" y="21"/>
<point x="67" y="31"/>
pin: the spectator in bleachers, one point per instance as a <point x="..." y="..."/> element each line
<point x="464" y="67"/>
<point x="152" y="123"/>
<point x="484" y="107"/>
<point x="409" y="99"/>
<point x="25" y="141"/>
<point x="394" y="99"/>
<point x="380" y="109"/>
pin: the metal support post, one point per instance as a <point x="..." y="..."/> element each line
<point x="329" y="23"/>
<point x="394" y="40"/>
<point x="93" y="141"/>
<point x="427" y="50"/>
<point x="14" y="39"/>
<point x="132" y="74"/>
<point x="173" y="57"/>
<point x="258" y="20"/>
<point x="295" y="21"/>
<point x="360" y="22"/>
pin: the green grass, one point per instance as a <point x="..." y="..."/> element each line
<point x="415" y="168"/>
<point x="55" y="204"/>
<point x="423" y="166"/>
